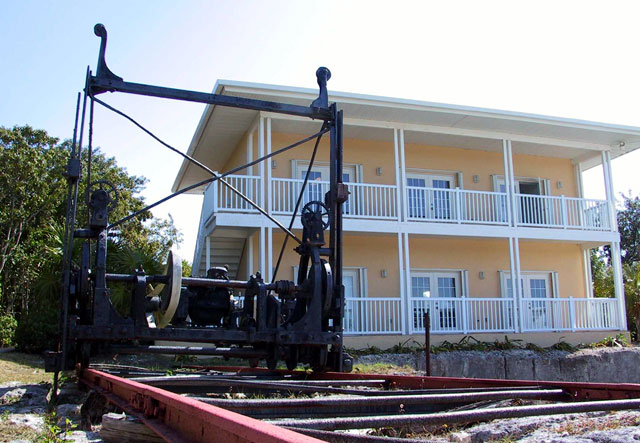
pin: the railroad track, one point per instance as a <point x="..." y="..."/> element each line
<point x="259" y="405"/>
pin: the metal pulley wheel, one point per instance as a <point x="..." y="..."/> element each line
<point x="169" y="293"/>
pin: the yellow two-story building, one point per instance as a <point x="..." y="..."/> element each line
<point x="448" y="206"/>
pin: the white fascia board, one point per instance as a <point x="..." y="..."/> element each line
<point x="430" y="229"/>
<point x="447" y="130"/>
<point x="364" y="99"/>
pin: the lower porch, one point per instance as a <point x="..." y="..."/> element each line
<point x="467" y="315"/>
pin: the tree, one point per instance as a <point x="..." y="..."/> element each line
<point x="32" y="211"/>
<point x="629" y="227"/>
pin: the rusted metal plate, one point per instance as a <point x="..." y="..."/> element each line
<point x="178" y="418"/>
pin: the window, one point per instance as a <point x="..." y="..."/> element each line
<point x="429" y="286"/>
<point x="428" y="196"/>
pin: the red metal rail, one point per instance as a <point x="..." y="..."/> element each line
<point x="177" y="418"/>
<point x="578" y="391"/>
<point x="181" y="419"/>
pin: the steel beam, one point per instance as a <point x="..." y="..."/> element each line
<point x="178" y="418"/>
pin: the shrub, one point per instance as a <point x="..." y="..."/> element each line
<point x="8" y="326"/>
<point x="38" y="329"/>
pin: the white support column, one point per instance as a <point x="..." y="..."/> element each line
<point x="577" y="170"/>
<point x="515" y="283"/>
<point x="516" y="305"/>
<point x="403" y="178"/>
<point x="250" y="152"/>
<point x="608" y="187"/>
<point x="588" y="278"/>
<point x="407" y="276"/>
<point x="404" y="312"/>
<point x="207" y="253"/>
<point x="511" y="185"/>
<point x="269" y="202"/>
<point x="261" y="253"/>
<point x="250" y="255"/>
<point x="261" y="166"/>
<point x="399" y="186"/>
<point x="507" y="181"/>
<point x="618" y="283"/>
<point x="268" y="275"/>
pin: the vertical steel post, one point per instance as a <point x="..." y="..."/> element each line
<point x="427" y="341"/>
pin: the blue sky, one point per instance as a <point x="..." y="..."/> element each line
<point x="575" y="59"/>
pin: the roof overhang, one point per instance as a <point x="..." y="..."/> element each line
<point x="370" y="117"/>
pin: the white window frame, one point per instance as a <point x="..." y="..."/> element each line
<point x="545" y="188"/>
<point x="300" y="166"/>
<point x="550" y="276"/>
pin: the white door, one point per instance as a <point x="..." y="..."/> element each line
<point x="428" y="196"/>
<point x="353" y="309"/>
<point x="536" y="288"/>
<point x="426" y="290"/>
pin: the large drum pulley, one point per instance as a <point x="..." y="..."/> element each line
<point x="169" y="293"/>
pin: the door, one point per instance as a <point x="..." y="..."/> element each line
<point x="531" y="208"/>
<point x="353" y="309"/>
<point x="427" y="290"/>
<point x="318" y="184"/>
<point x="428" y="196"/>
<point x="538" y="291"/>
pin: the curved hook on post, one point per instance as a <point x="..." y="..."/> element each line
<point x="323" y="75"/>
<point x="103" y="71"/>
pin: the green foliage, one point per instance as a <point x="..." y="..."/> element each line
<point x="619" y="341"/>
<point x="8" y="326"/>
<point x="629" y="227"/>
<point x="186" y="268"/>
<point x="31" y="229"/>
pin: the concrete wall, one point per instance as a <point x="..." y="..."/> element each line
<point x="604" y="365"/>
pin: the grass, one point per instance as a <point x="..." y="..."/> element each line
<point x="382" y="368"/>
<point x="25" y="368"/>
<point x="11" y="431"/>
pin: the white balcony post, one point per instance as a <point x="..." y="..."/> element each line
<point x="506" y="159"/>
<point x="563" y="211"/>
<point x="207" y="253"/>
<point x="407" y="276"/>
<point x="399" y="186"/>
<point x="404" y="298"/>
<point x="572" y="314"/>
<point x="261" y="167"/>
<point x="510" y="185"/>
<point x="267" y="275"/>
<point x="250" y="151"/>
<point x="618" y="283"/>
<point x="403" y="178"/>
<point x="261" y="257"/>
<point x="267" y="183"/>
<point x="250" y="255"/>
<point x="457" y="195"/>
<point x="517" y="284"/>
<point x="609" y="192"/>
<point x="216" y="191"/>
<point x="516" y="307"/>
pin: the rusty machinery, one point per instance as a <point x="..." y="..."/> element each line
<point x="295" y="322"/>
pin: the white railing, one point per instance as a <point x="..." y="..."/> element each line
<point x="562" y="212"/>
<point x="467" y="315"/>
<point x="456" y="205"/>
<point x="227" y="200"/>
<point x="372" y="316"/>
<point x="569" y="314"/>
<point x="366" y="200"/>
<point x="463" y="315"/>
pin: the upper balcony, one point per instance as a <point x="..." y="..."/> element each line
<point x="418" y="205"/>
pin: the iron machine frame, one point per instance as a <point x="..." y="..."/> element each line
<point x="297" y="321"/>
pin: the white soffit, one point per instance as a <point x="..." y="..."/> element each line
<point x="222" y="128"/>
